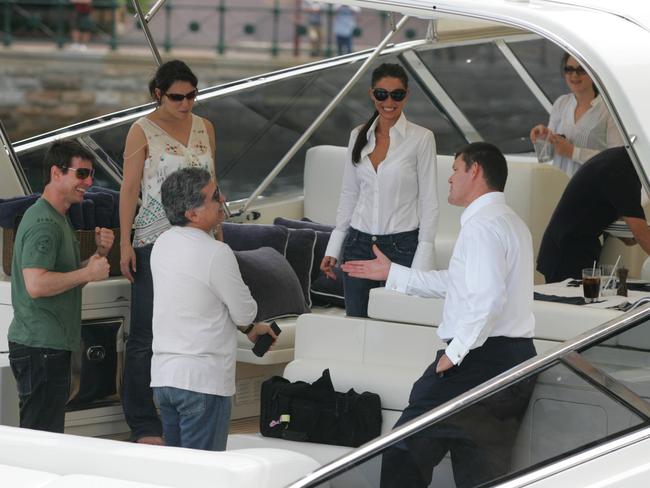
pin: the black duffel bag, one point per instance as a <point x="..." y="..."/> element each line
<point x="316" y="413"/>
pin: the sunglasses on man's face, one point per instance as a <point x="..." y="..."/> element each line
<point x="380" y="94"/>
<point x="216" y="196"/>
<point x="178" y="97"/>
<point x="82" y="173"/>
<point x="579" y="70"/>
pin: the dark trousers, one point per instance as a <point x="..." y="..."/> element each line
<point x="479" y="438"/>
<point x="43" y="379"/>
<point x="343" y="44"/>
<point x="400" y="248"/>
<point x="137" y="397"/>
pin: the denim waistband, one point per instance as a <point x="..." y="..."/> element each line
<point x="357" y="235"/>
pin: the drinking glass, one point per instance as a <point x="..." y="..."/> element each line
<point x="591" y="284"/>
<point x="544" y="150"/>
<point x="609" y="286"/>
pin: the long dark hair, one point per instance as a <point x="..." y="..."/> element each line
<point x="385" y="70"/>
<point x="565" y="58"/>
<point x="169" y="73"/>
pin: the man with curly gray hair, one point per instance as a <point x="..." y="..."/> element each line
<point x="199" y="303"/>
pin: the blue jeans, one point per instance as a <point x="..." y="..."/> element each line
<point x="400" y="248"/>
<point x="137" y="397"/>
<point x="192" y="419"/>
<point x="43" y="379"/>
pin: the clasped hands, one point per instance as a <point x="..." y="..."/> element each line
<point x="561" y="144"/>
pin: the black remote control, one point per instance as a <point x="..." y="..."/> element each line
<point x="264" y="341"/>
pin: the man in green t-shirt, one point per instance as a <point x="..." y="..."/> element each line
<point x="46" y="281"/>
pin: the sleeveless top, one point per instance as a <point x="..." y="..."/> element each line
<point x="166" y="155"/>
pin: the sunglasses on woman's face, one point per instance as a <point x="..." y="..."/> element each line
<point x="579" y="70"/>
<point x="380" y="94"/>
<point x="82" y="173"/>
<point x="178" y="97"/>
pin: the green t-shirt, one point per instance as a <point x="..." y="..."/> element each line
<point x="45" y="239"/>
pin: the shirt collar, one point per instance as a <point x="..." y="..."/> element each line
<point x="481" y="202"/>
<point x="597" y="99"/>
<point x="399" y="126"/>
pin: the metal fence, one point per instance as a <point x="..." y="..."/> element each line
<point x="271" y="26"/>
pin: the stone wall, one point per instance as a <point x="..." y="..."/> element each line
<point x="41" y="90"/>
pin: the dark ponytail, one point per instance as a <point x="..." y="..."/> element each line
<point x="362" y="139"/>
<point x="386" y="70"/>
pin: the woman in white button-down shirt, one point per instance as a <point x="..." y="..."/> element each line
<point x="580" y="125"/>
<point x="388" y="195"/>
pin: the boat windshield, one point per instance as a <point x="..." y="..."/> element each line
<point x="579" y="398"/>
<point x="457" y="91"/>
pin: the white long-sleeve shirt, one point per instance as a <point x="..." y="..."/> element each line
<point x="488" y="288"/>
<point x="199" y="300"/>
<point x="594" y="132"/>
<point x="399" y="197"/>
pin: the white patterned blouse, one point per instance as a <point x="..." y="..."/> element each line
<point x="166" y="155"/>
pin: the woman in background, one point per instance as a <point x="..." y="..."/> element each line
<point x="580" y="125"/>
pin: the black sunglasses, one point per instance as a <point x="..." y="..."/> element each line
<point x="81" y="173"/>
<point x="216" y="196"/>
<point x="579" y="70"/>
<point x="177" y="97"/>
<point x="380" y="94"/>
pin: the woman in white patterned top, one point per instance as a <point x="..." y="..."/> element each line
<point x="580" y="126"/>
<point x="169" y="138"/>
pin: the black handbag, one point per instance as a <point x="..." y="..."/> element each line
<point x="302" y="411"/>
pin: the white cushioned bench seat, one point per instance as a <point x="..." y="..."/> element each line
<point x="15" y="477"/>
<point x="363" y="354"/>
<point x="283" y="349"/>
<point x="367" y="355"/>
<point x="66" y="455"/>
<point x="532" y="190"/>
<point x="553" y="321"/>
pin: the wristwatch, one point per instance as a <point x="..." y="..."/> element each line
<point x="248" y="329"/>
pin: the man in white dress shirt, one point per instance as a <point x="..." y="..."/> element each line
<point x="199" y="303"/>
<point x="487" y="324"/>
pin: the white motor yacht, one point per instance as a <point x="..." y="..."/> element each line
<point x="487" y="70"/>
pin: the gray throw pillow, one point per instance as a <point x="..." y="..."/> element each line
<point x="323" y="291"/>
<point x="245" y="237"/>
<point x="300" y="254"/>
<point x="272" y="282"/>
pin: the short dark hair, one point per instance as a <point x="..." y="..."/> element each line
<point x="60" y="154"/>
<point x="181" y="191"/>
<point x="491" y="159"/>
<point x="168" y="73"/>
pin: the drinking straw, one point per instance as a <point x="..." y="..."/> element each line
<point x="593" y="270"/>
<point x="612" y="273"/>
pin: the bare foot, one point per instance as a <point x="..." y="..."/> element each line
<point x="152" y="440"/>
